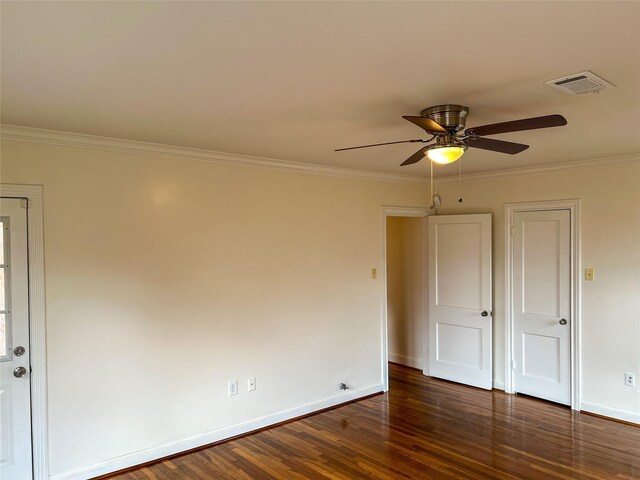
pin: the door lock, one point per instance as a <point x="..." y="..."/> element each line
<point x="485" y="313"/>
<point x="18" y="351"/>
<point x="562" y="322"/>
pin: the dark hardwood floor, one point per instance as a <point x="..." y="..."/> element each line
<point x="423" y="428"/>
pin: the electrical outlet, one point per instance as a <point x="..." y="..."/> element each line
<point x="251" y="384"/>
<point x="589" y="274"/>
<point x="233" y="387"/>
<point x="630" y="379"/>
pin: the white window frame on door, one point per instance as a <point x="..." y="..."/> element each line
<point x="573" y="205"/>
<point x="420" y="212"/>
<point x="37" y="325"/>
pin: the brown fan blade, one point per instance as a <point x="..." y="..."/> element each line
<point x="377" y="145"/>
<point x="426" y="123"/>
<point x="519" y="125"/>
<point x="415" y="158"/>
<point x="496" y="145"/>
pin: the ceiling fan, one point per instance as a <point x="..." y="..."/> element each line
<point x="446" y="122"/>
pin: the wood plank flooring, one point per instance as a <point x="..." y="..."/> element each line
<point x="423" y="428"/>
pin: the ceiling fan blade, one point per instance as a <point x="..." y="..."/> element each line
<point x="415" y="158"/>
<point x="519" y="125"/>
<point x="496" y="145"/>
<point x="377" y="145"/>
<point x="426" y="123"/>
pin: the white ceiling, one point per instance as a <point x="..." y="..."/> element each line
<point x="293" y="81"/>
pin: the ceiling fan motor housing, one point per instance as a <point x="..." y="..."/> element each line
<point x="447" y="141"/>
<point x="451" y="117"/>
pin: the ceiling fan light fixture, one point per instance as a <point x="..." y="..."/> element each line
<point x="444" y="154"/>
<point x="445" y="124"/>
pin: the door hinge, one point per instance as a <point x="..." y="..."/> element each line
<point x="513" y="364"/>
<point x="25" y="203"/>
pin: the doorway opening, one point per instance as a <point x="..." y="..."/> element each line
<point x="404" y="295"/>
<point x="404" y="276"/>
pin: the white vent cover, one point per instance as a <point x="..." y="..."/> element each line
<point x="579" y="83"/>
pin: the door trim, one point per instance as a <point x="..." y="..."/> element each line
<point x="573" y="205"/>
<point x="388" y="211"/>
<point x="37" y="324"/>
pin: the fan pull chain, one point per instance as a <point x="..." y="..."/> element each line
<point x="460" y="180"/>
<point x="432" y="207"/>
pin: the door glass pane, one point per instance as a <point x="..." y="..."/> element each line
<point x="1" y="242"/>
<point x="2" y="291"/>
<point x="3" y="338"/>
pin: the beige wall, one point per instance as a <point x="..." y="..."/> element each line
<point x="404" y="285"/>
<point x="165" y="278"/>
<point x="610" y="203"/>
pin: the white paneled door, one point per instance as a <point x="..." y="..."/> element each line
<point x="460" y="313"/>
<point x="541" y="304"/>
<point x="15" y="410"/>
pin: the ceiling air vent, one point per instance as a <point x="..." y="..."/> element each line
<point x="579" y="83"/>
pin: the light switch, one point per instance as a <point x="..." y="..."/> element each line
<point x="589" y="274"/>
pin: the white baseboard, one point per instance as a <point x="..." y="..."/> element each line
<point x="150" y="454"/>
<point x="498" y="384"/>
<point x="404" y="360"/>
<point x="625" y="415"/>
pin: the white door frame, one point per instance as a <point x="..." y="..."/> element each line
<point x="37" y="325"/>
<point x="404" y="212"/>
<point x="573" y="205"/>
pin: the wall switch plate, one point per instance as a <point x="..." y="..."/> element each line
<point x="251" y="384"/>
<point x="589" y="274"/>
<point x="374" y="273"/>
<point x="233" y="387"/>
<point x="630" y="379"/>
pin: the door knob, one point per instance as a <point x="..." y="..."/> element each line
<point x="563" y="322"/>
<point x="484" y="313"/>
<point x="19" y="372"/>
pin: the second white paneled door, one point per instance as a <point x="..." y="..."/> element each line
<point x="541" y="304"/>
<point x="460" y="317"/>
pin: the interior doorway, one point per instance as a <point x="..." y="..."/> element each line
<point x="404" y="277"/>
<point x="404" y="295"/>
<point x="542" y="311"/>
<point x="422" y="326"/>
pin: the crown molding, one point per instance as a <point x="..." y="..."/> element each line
<point x="540" y="169"/>
<point x="69" y="139"/>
